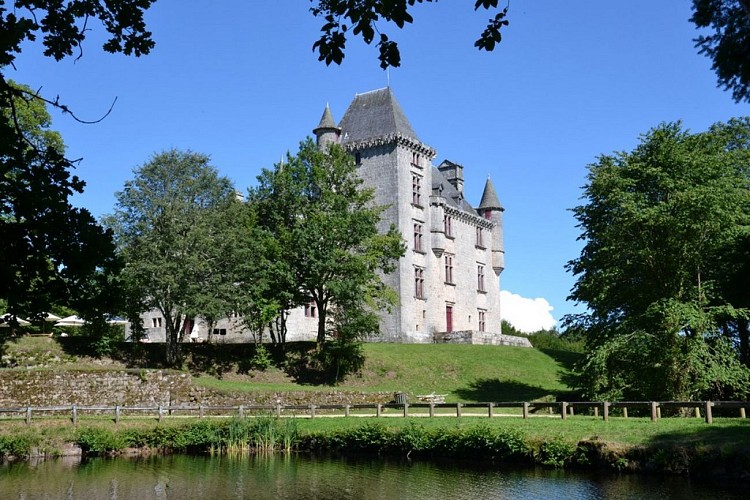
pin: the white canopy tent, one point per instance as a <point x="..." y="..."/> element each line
<point x="71" y="321"/>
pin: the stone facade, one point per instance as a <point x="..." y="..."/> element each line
<point x="448" y="281"/>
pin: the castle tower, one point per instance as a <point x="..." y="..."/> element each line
<point x="327" y="132"/>
<point x="491" y="209"/>
<point x="446" y="290"/>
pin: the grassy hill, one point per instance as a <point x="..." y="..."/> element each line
<point x="461" y="372"/>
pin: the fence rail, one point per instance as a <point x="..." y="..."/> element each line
<point x="528" y="409"/>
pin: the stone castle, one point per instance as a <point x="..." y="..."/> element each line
<point x="448" y="280"/>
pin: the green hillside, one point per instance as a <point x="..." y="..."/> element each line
<point x="461" y="372"/>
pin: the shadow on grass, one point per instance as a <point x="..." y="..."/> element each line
<point x="495" y="390"/>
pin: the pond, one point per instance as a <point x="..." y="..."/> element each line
<point x="298" y="477"/>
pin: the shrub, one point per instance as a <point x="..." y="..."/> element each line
<point x="95" y="441"/>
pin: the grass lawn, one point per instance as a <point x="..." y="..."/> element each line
<point x="464" y="373"/>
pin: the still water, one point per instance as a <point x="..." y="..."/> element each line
<point x="299" y="477"/>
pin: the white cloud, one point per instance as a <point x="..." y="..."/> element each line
<point x="527" y="315"/>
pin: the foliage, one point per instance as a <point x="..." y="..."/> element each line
<point x="556" y="452"/>
<point x="52" y="253"/>
<point x="17" y="446"/>
<point x="328" y="240"/>
<point x="361" y="19"/>
<point x="728" y="43"/>
<point x="98" y="441"/>
<point x="169" y="226"/>
<point x="658" y="225"/>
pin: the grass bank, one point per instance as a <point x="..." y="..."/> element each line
<point x="464" y="373"/>
<point x="676" y="445"/>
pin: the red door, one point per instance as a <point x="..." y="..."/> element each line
<point x="448" y="318"/>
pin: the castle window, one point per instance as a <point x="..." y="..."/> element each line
<point x="448" y="225"/>
<point x="449" y="269"/>
<point x="416" y="160"/>
<point x="419" y="282"/>
<point x="358" y="159"/>
<point x="482" y="321"/>
<point x="156" y="323"/>
<point x="416" y="190"/>
<point x="480" y="278"/>
<point x="310" y="310"/>
<point x="418" y="230"/>
<point x="448" y="318"/>
<point x="480" y="237"/>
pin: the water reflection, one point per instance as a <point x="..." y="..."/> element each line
<point x="293" y="477"/>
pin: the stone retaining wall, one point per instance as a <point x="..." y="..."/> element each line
<point x="147" y="387"/>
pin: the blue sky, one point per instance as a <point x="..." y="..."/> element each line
<point x="238" y="81"/>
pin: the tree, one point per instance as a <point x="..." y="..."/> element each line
<point x="659" y="224"/>
<point x="52" y="252"/>
<point x="169" y="223"/>
<point x="326" y="227"/>
<point x="361" y="18"/>
<point x="729" y="43"/>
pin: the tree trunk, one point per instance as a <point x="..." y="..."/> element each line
<point x="743" y="332"/>
<point x="321" y="326"/>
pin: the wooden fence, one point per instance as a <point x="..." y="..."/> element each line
<point x="528" y="409"/>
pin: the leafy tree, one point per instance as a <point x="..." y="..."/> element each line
<point x="169" y="223"/>
<point x="361" y="18"/>
<point x="52" y="252"/>
<point x="658" y="225"/>
<point x="326" y="228"/>
<point x="728" y="45"/>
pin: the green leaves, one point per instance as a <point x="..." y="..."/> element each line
<point x="315" y="207"/>
<point x="364" y="16"/>
<point x="660" y="227"/>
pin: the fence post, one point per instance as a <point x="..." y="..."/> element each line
<point x="346" y="410"/>
<point x="406" y="410"/>
<point x="241" y="411"/>
<point x="742" y="412"/>
<point x="658" y="412"/>
<point x="564" y="410"/>
<point x="596" y="411"/>
<point x="377" y="410"/>
<point x="709" y="415"/>
<point x="161" y="413"/>
<point x="490" y="406"/>
<point x="653" y="411"/>
<point x="525" y="409"/>
<point x="28" y="414"/>
<point x="201" y="411"/>
<point x="697" y="412"/>
<point x="432" y="409"/>
<point x="74" y="410"/>
<point x="605" y="411"/>
<point x="458" y="409"/>
<point x="572" y="411"/>
<point x="312" y="411"/>
<point x="117" y="414"/>
<point x="625" y="412"/>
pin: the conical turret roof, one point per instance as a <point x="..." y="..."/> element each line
<point x="489" y="197"/>
<point x="326" y="121"/>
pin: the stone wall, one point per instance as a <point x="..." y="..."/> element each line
<point x="121" y="387"/>
<point x="148" y="388"/>
<point x="475" y="337"/>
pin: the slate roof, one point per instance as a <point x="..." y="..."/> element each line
<point x="441" y="186"/>
<point x="326" y="121"/>
<point x="374" y="114"/>
<point x="489" y="197"/>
